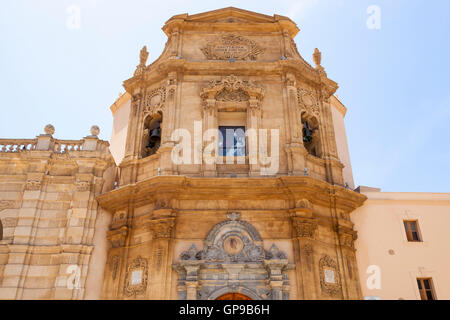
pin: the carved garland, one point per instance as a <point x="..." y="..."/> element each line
<point x="231" y="46"/>
<point x="134" y="286"/>
<point x="329" y="276"/>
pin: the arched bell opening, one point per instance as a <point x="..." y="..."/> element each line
<point x="310" y="133"/>
<point x="151" y="138"/>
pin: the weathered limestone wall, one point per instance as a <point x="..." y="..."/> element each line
<point x="48" y="210"/>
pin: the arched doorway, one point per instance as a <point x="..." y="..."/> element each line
<point x="234" y="296"/>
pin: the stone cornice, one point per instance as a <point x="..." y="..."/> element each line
<point x="244" y="20"/>
<point x="302" y="70"/>
<point x="182" y="187"/>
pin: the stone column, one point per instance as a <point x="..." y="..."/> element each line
<point x="191" y="280"/>
<point x="254" y="123"/>
<point x="276" y="279"/>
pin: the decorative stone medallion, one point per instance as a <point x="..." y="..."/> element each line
<point x="233" y="245"/>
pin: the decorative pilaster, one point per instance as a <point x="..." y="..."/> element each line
<point x="304" y="229"/>
<point x="161" y="248"/>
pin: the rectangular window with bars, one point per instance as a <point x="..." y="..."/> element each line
<point x="412" y="231"/>
<point x="426" y="288"/>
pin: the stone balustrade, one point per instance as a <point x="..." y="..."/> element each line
<point x="45" y="142"/>
<point x="17" y="145"/>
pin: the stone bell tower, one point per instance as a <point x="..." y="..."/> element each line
<point x="272" y="227"/>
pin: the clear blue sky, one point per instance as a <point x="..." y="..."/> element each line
<point x="395" y="81"/>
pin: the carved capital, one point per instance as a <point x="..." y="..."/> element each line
<point x="347" y="236"/>
<point x="161" y="228"/>
<point x="117" y="237"/>
<point x="304" y="227"/>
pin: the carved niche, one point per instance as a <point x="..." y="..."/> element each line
<point x="329" y="276"/>
<point x="136" y="277"/>
<point x="231" y="46"/>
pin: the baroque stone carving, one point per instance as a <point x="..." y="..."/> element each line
<point x="307" y="102"/>
<point x="191" y="254"/>
<point x="231" y="46"/>
<point x="347" y="236"/>
<point x="304" y="227"/>
<point x="217" y="253"/>
<point x="161" y="228"/>
<point x="136" y="277"/>
<point x="275" y="253"/>
<point x="329" y="276"/>
<point x="232" y="88"/>
<point x="155" y="100"/>
<point x="143" y="56"/>
<point x="33" y="185"/>
<point x="117" y="237"/>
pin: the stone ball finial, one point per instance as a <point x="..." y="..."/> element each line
<point x="49" y="129"/>
<point x="95" y="130"/>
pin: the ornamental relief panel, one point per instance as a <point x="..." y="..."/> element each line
<point x="308" y="102"/>
<point x="136" y="277"/>
<point x="231" y="46"/>
<point x="329" y="276"/>
<point x="154" y="100"/>
<point x="232" y="88"/>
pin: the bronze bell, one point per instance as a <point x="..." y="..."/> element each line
<point x="156" y="133"/>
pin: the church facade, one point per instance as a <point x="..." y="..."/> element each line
<point x="227" y="176"/>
